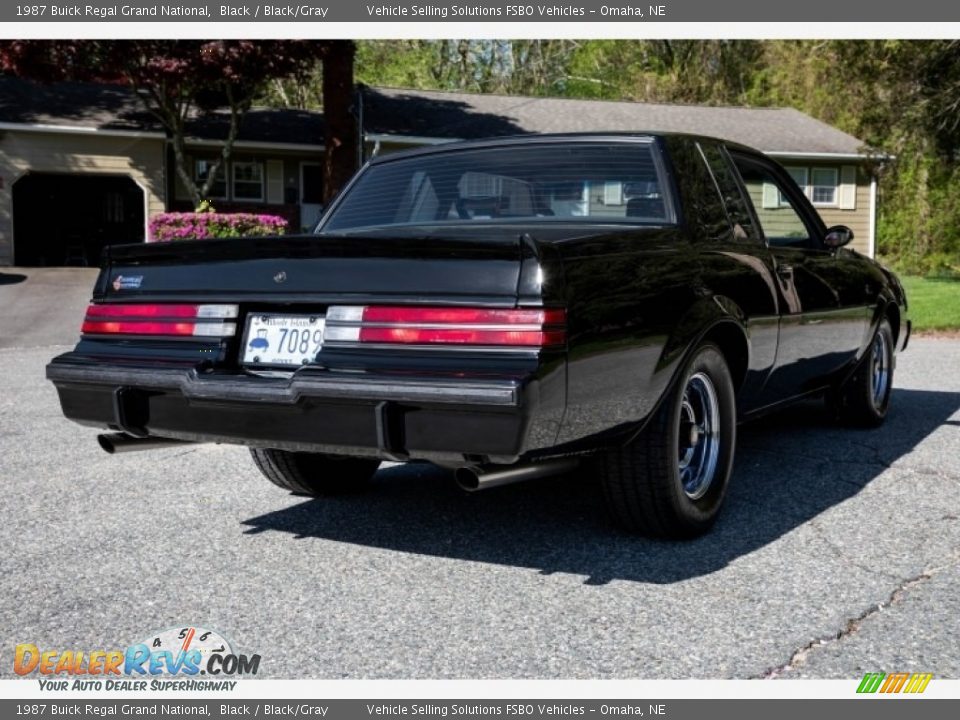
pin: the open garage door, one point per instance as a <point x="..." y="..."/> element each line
<point x="69" y="219"/>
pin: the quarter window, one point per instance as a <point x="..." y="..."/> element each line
<point x="736" y="207"/>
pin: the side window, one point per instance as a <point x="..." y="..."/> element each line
<point x="782" y="225"/>
<point x="735" y="204"/>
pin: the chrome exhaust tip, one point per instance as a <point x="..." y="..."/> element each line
<point x="113" y="443"/>
<point x="472" y="478"/>
<point x="467" y="478"/>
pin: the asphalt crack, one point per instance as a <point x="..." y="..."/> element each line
<point x="852" y="625"/>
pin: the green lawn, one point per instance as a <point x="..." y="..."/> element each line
<point x="933" y="304"/>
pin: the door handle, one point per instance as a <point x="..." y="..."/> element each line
<point x="785" y="272"/>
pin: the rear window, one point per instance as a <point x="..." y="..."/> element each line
<point x="584" y="182"/>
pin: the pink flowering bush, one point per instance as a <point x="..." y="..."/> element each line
<point x="205" y="225"/>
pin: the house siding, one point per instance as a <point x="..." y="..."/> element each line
<point x="140" y="159"/>
<point x="289" y="209"/>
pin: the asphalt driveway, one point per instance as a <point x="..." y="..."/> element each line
<point x="838" y="552"/>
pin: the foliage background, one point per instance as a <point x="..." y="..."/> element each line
<point x="901" y="97"/>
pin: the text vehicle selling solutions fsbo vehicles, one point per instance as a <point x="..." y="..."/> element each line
<point x="509" y="308"/>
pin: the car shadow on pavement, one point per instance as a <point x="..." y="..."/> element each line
<point x="790" y="467"/>
<point x="11" y="278"/>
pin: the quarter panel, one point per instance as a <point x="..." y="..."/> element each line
<point x="625" y="293"/>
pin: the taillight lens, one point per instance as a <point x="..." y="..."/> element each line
<point x="174" y="320"/>
<point x="522" y="328"/>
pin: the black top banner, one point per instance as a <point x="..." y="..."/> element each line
<point x="352" y="11"/>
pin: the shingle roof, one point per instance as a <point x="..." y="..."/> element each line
<point x="432" y="114"/>
<point x="116" y="107"/>
<point x="73" y="105"/>
<point x="468" y="116"/>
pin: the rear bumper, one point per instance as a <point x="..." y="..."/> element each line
<point x="440" y="419"/>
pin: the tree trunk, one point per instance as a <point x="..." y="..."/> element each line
<point x="340" y="161"/>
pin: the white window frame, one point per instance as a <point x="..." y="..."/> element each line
<point x="835" y="184"/>
<point x="221" y="169"/>
<point x="233" y="181"/>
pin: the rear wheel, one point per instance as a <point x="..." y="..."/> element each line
<point x="865" y="397"/>
<point x="672" y="479"/>
<point x="313" y="473"/>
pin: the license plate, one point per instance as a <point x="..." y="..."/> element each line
<point x="282" y="340"/>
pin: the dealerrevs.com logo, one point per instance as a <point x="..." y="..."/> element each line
<point x="183" y="658"/>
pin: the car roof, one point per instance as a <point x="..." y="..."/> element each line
<point x="549" y="138"/>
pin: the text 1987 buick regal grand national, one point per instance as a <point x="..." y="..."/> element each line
<point x="504" y="308"/>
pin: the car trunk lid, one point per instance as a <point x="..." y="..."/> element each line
<point x="455" y="268"/>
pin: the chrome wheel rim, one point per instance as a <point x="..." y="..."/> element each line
<point x="699" y="436"/>
<point x="880" y="369"/>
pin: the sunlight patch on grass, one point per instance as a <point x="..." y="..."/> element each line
<point x="934" y="304"/>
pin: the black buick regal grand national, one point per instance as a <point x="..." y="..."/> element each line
<point x="509" y="309"/>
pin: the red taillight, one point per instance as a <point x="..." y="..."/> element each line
<point x="461" y="316"/>
<point x="460" y="336"/>
<point x="140" y="311"/>
<point x="482" y="327"/>
<point x="174" y="320"/>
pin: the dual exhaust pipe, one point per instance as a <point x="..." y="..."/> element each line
<point x="471" y="478"/>
<point x="121" y="442"/>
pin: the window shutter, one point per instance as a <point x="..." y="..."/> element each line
<point x="771" y="196"/>
<point x="275" y="181"/>
<point x="848" y="187"/>
<point x="613" y="193"/>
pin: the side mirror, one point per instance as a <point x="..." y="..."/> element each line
<point x="837" y="236"/>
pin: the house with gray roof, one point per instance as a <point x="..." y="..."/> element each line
<point x="84" y="165"/>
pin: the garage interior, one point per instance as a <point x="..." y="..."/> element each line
<point x="61" y="219"/>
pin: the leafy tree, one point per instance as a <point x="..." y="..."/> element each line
<point x="176" y="79"/>
<point x="526" y="67"/>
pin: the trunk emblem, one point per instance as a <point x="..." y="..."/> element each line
<point x="127" y="282"/>
<point x="280" y="277"/>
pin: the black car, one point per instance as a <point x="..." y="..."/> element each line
<point x="505" y="308"/>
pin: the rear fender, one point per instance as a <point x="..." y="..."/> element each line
<point x="715" y="313"/>
<point x="713" y="319"/>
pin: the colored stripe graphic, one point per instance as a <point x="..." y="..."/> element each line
<point x="894" y="682"/>
<point x="914" y="683"/>
<point x="918" y="682"/>
<point x="870" y="683"/>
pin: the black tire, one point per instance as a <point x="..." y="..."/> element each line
<point x="305" y="473"/>
<point x="643" y="483"/>
<point x="865" y="398"/>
